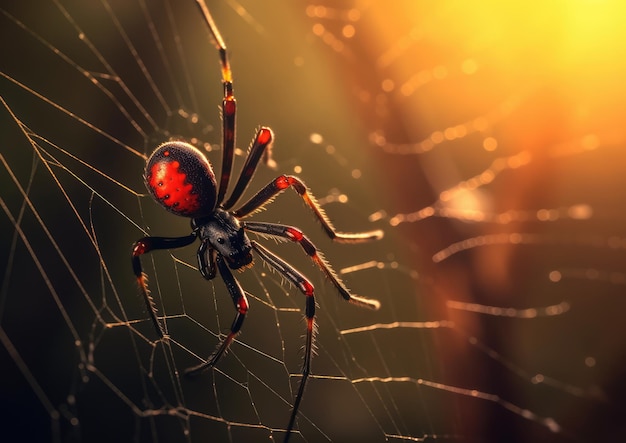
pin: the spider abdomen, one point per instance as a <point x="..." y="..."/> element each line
<point x="181" y="179"/>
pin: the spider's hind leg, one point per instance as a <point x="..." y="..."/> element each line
<point x="241" y="305"/>
<point x="302" y="283"/>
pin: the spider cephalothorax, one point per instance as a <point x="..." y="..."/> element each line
<point x="181" y="179"/>
<point x="223" y="232"/>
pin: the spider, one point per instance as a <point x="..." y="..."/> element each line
<point x="181" y="179"/>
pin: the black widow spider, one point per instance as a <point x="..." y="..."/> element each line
<point x="181" y="179"/>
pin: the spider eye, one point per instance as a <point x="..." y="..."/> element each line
<point x="220" y="240"/>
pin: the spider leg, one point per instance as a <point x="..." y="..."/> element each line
<point x="259" y="147"/>
<point x="296" y="235"/>
<point x="283" y="182"/>
<point x="206" y="260"/>
<point x="149" y="244"/>
<point x="241" y="305"/>
<point x="303" y="284"/>
<point x="229" y="105"/>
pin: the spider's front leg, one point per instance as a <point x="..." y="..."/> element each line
<point x="149" y="244"/>
<point x="279" y="184"/>
<point x="241" y="305"/>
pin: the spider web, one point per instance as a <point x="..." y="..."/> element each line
<point x="486" y="142"/>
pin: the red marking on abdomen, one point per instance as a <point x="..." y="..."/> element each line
<point x="169" y="185"/>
